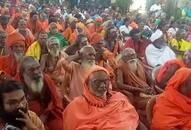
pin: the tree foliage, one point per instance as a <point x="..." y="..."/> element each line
<point x="124" y="5"/>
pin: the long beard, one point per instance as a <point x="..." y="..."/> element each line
<point x="35" y="85"/>
<point x="54" y="53"/>
<point x="10" y="117"/>
<point x="19" y="56"/>
<point x="133" y="65"/>
<point x="88" y="64"/>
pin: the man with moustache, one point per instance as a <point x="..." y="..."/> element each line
<point x="49" y="64"/>
<point x="16" y="47"/>
<point x="41" y="93"/>
<point x="77" y="71"/>
<point x="14" y="112"/>
<point x="132" y="77"/>
<point x="27" y="34"/>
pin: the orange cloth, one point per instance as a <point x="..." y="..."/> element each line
<point x="136" y="80"/>
<point x="54" y="109"/>
<point x="34" y="119"/>
<point x="95" y="38"/>
<point x="91" y="27"/>
<point x="29" y="39"/>
<point x="115" y="113"/>
<point x="8" y="30"/>
<point x="164" y="68"/>
<point x="134" y="25"/>
<point x="76" y="73"/>
<point x="70" y="35"/>
<point x="13" y="38"/>
<point x="9" y="65"/>
<point x="34" y="28"/>
<point x="172" y="109"/>
<point x="44" y="24"/>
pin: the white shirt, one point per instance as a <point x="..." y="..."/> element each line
<point x="157" y="56"/>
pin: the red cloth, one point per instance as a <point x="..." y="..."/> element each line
<point x="95" y="38"/>
<point x="164" y="68"/>
<point x="9" y="65"/>
<point x="34" y="28"/>
<point x="172" y="109"/>
<point x="92" y="113"/>
<point x="54" y="109"/>
<point x="13" y="38"/>
<point x="139" y="47"/>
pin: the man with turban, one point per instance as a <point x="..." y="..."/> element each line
<point x="16" y="48"/>
<point x="100" y="107"/>
<point x="158" y="52"/>
<point x="172" y="108"/>
<point x="170" y="67"/>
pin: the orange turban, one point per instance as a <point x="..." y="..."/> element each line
<point x="95" y="38"/>
<point x="99" y="20"/>
<point x="15" y="37"/>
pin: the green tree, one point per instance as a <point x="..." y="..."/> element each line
<point x="124" y="5"/>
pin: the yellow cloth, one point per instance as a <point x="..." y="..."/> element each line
<point x="34" y="50"/>
<point x="180" y="46"/>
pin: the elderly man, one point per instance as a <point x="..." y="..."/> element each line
<point x="42" y="95"/>
<point x="111" y="40"/>
<point x="100" y="107"/>
<point x="14" y="112"/>
<point x="81" y="41"/>
<point x="49" y="64"/>
<point x="3" y="37"/>
<point x="38" y="48"/>
<point x="54" y="33"/>
<point x="170" y="67"/>
<point x="132" y="77"/>
<point x="172" y="108"/>
<point x="5" y="25"/>
<point x="16" y="45"/>
<point x="158" y="52"/>
<point x="22" y="29"/>
<point x="77" y="71"/>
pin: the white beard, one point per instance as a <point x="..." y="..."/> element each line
<point x="18" y="56"/>
<point x="35" y="86"/>
<point x="54" y="53"/>
<point x="88" y="64"/>
<point x="133" y="65"/>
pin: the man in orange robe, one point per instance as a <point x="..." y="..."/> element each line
<point x="172" y="108"/>
<point x="42" y="95"/>
<point x="43" y="21"/>
<point x="170" y="67"/>
<point x="22" y="29"/>
<point x="5" y="25"/>
<point x="76" y="70"/>
<point x="68" y="33"/>
<point x="33" y="24"/>
<point x="16" y="47"/>
<point x="100" y="108"/>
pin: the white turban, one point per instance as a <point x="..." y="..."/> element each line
<point x="156" y="35"/>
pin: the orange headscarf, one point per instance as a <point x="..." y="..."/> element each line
<point x="115" y="113"/>
<point x="172" y="109"/>
<point x="13" y="38"/>
<point x="164" y="68"/>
